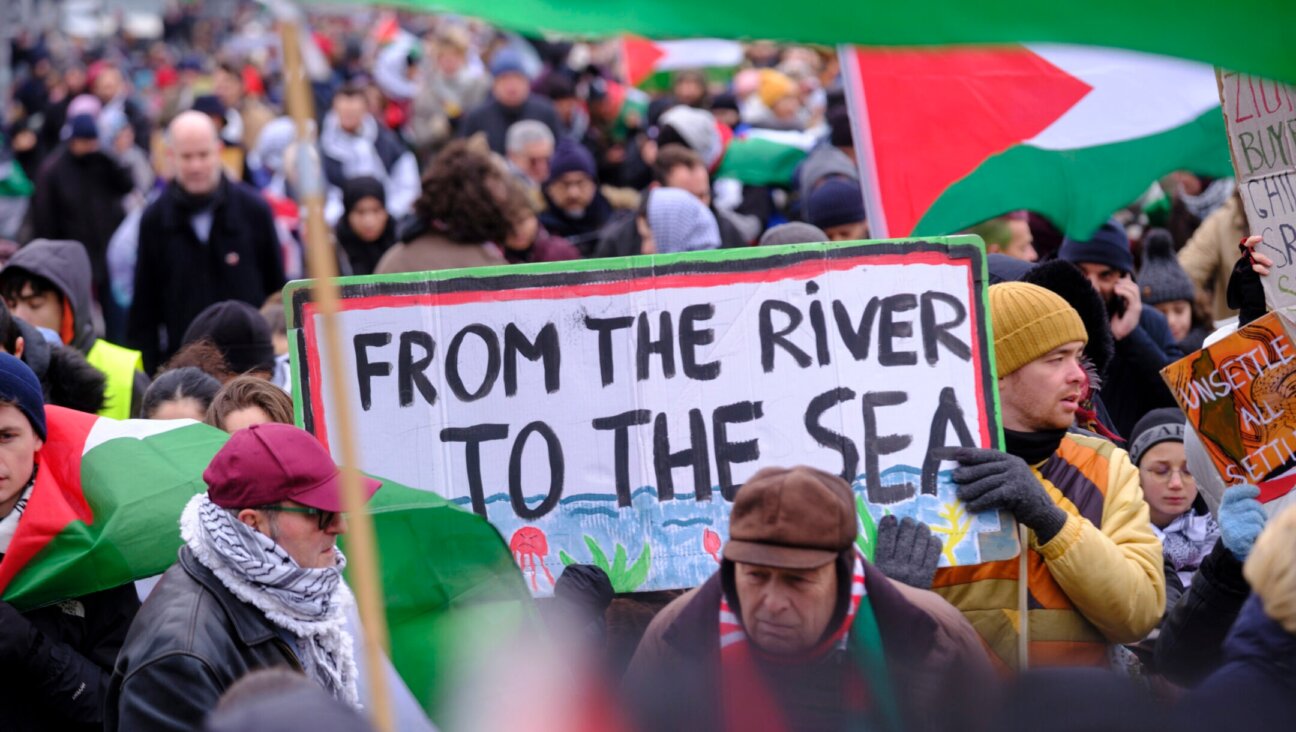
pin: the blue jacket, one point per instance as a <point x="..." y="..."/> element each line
<point x="1255" y="689"/>
<point x="1134" y="386"/>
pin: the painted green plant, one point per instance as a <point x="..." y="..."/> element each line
<point x="867" y="537"/>
<point x="624" y="579"/>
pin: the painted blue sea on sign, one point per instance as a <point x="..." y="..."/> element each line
<point x="691" y="533"/>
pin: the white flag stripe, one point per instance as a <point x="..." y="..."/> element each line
<point x="698" y="53"/>
<point x="105" y="429"/>
<point x="1134" y="95"/>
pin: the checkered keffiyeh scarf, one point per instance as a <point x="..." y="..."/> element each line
<point x="680" y="222"/>
<point x="309" y="603"/>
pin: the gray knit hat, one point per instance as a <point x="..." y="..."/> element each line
<point x="1161" y="279"/>
<point x="793" y="232"/>
<point x="1159" y="425"/>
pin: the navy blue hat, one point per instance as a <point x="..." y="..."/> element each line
<point x="570" y="156"/>
<point x="18" y="384"/>
<point x="1109" y="245"/>
<point x="210" y="105"/>
<point x="84" y="127"/>
<point x="835" y="202"/>
<point x="1004" y="268"/>
<point x="507" y="61"/>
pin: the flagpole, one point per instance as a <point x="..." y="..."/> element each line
<point x="322" y="267"/>
<point x="862" y="139"/>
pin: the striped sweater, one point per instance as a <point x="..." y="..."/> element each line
<point x="1099" y="581"/>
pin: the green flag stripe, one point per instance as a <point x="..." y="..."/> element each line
<point x="1245" y="35"/>
<point x="1078" y="189"/>
<point x="140" y="488"/>
<point x="760" y="162"/>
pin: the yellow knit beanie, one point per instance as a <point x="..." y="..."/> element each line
<point x="1029" y="321"/>
<point x="774" y="85"/>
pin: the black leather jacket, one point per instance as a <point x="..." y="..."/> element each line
<point x="191" y="640"/>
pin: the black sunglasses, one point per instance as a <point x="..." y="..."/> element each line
<point x="325" y="518"/>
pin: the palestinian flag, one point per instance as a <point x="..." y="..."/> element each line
<point x="105" y="510"/>
<point x="949" y="138"/>
<point x="451" y="589"/>
<point x="1243" y="35"/>
<point x="642" y="58"/>
<point x="106" y="505"/>
<point x="759" y="157"/>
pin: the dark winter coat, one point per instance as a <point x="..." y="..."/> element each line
<point x="1133" y="385"/>
<point x="1255" y="689"/>
<point x="81" y="199"/>
<point x="494" y="119"/>
<point x="545" y="248"/>
<point x="935" y="660"/>
<point x="62" y="682"/>
<point x="66" y="378"/>
<point x="1191" y="642"/>
<point x="177" y="275"/>
<point x="582" y="233"/>
<point x="189" y="643"/>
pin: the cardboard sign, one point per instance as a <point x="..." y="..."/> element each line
<point x="1261" y="119"/>
<point x="1239" y="397"/>
<point x="606" y="411"/>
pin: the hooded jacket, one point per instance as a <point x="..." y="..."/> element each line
<point x="65" y="264"/>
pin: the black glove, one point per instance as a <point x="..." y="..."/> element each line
<point x="990" y="479"/>
<point x="16" y="634"/>
<point x="1245" y="292"/>
<point x="907" y="552"/>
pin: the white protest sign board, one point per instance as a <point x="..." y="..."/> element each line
<point x="1261" y="119"/>
<point x="606" y="411"/>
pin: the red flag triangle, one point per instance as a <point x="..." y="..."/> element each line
<point x="937" y="115"/>
<point x="57" y="498"/>
<point x="640" y="56"/>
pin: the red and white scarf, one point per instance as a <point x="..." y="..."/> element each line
<point x="747" y="704"/>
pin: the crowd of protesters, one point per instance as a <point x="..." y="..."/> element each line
<point x="151" y="213"/>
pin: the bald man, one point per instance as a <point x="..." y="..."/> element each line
<point x="204" y="240"/>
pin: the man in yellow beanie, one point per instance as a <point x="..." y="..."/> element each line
<point x="1093" y="564"/>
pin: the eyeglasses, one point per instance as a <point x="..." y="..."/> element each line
<point x="325" y="518"/>
<point x="1165" y="473"/>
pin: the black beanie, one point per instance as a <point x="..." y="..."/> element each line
<point x="585" y="586"/>
<point x="239" y="331"/>
<point x="1109" y="245"/>
<point x="1157" y="426"/>
<point x="361" y="187"/>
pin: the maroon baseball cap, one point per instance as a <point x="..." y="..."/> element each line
<point x="269" y="463"/>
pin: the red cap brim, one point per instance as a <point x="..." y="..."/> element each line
<point x="327" y="495"/>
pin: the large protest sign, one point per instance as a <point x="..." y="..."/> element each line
<point x="606" y="411"/>
<point x="1261" y="119"/>
<point x="1239" y="397"/>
